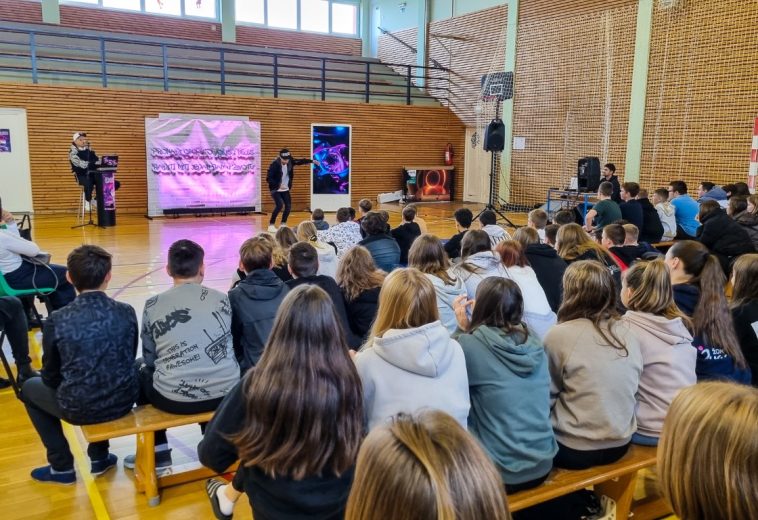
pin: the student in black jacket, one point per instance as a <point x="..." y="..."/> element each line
<point x="724" y="237"/>
<point x="279" y="178"/>
<point x="463" y="219"/>
<point x="745" y="309"/>
<point x="651" y="231"/>
<point x="295" y="422"/>
<point x="631" y="209"/>
<point x="88" y="370"/>
<point x="303" y="265"/>
<point x="406" y="233"/>
<point x="360" y="281"/>
<point x="547" y="265"/>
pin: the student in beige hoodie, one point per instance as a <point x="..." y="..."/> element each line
<point x="666" y="212"/>
<point x="668" y="356"/>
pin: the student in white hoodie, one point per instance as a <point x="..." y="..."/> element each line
<point x="667" y="213"/>
<point x="428" y="256"/>
<point x="665" y="342"/>
<point x="478" y="261"/>
<point x="488" y="220"/>
<point x="410" y="362"/>
<point x="327" y="254"/>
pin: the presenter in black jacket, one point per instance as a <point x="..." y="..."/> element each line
<point x="279" y="178"/>
<point x="83" y="160"/>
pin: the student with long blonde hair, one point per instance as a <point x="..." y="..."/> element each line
<point x="424" y="468"/>
<point x="708" y="454"/>
<point x="665" y="342"/>
<point x="698" y="282"/>
<point x="745" y="309"/>
<point x="410" y="362"/>
<point x="360" y="282"/>
<point x="595" y="366"/>
<point x="428" y="256"/>
<point x="327" y="254"/>
<point x="295" y="421"/>
<point x="574" y="244"/>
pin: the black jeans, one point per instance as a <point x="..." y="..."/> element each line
<point x="87" y="182"/>
<point x="681" y="234"/>
<point x="281" y="199"/>
<point x="13" y="322"/>
<point x="42" y="406"/>
<point x="148" y="395"/>
<point x="568" y="458"/>
<point x="515" y="488"/>
<point x="30" y="276"/>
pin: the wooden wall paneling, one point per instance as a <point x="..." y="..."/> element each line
<point x="532" y="10"/>
<point x="385" y="137"/>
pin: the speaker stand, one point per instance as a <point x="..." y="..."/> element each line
<point x="493" y="197"/>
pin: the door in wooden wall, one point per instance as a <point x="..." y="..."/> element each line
<point x="477" y="167"/>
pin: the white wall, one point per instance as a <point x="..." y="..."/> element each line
<point x="15" y="172"/>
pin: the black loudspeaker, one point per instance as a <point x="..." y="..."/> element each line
<point x="588" y="174"/>
<point x="494" y="138"/>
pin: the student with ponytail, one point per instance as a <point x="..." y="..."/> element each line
<point x="698" y="282"/>
<point x="425" y="467"/>
<point x="327" y="253"/>
<point x="745" y="308"/>
<point x="665" y="342"/>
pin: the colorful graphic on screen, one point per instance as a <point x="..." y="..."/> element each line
<point x="331" y="147"/>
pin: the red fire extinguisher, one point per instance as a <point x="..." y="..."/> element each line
<point x="449" y="154"/>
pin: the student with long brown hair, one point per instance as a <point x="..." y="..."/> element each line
<point x="547" y="265"/>
<point x="426" y="467"/>
<point x="505" y="359"/>
<point x="708" y="454"/>
<point x="698" y="282"/>
<point x="745" y="309"/>
<point x="428" y="256"/>
<point x="478" y="261"/>
<point x="295" y="421"/>
<point x="410" y="362"/>
<point x="665" y="342"/>
<point x="360" y="282"/>
<point x="595" y="366"/>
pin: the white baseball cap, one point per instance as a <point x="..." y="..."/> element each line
<point x="77" y="135"/>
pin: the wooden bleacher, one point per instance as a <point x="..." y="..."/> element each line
<point x="143" y="422"/>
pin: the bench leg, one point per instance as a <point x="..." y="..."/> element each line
<point x="622" y="491"/>
<point x="144" y="468"/>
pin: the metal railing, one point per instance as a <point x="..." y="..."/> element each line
<point x="45" y="56"/>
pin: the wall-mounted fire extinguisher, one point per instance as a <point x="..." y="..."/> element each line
<point x="449" y="154"/>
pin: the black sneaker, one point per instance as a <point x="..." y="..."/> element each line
<point x="45" y="474"/>
<point x="98" y="467"/>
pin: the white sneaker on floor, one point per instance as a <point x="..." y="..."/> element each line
<point x="271" y="228"/>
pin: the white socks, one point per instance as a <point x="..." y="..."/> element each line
<point x="226" y="505"/>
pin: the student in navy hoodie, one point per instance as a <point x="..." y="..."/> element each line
<point x="698" y="282"/>
<point x="547" y="265"/>
<point x="745" y="308"/>
<point x="504" y="360"/>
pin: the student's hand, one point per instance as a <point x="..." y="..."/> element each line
<point x="7" y="217"/>
<point x="352" y="353"/>
<point x="461" y="305"/>
<point x="317" y="162"/>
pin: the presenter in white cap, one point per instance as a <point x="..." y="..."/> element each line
<point x="279" y="178"/>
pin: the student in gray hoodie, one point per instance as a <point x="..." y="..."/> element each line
<point x="478" y="261"/>
<point x="504" y="361"/>
<point x="410" y="363"/>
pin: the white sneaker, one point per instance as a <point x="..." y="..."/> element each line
<point x="271" y="228"/>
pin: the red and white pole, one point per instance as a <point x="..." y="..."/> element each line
<point x="753" y="172"/>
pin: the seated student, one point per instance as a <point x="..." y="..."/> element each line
<point x="573" y="244"/>
<point x="188" y="362"/>
<point x="386" y="216"/>
<point x="360" y="282"/>
<point x="428" y="256"/>
<point x="551" y="234"/>
<point x="255" y="301"/>
<point x="88" y="372"/>
<point x="666" y="212"/>
<point x="303" y="265"/>
<point x="745" y="309"/>
<point x="317" y="217"/>
<point x="612" y="238"/>
<point x="410" y="362"/>
<point x="564" y="216"/>
<point x="406" y="233"/>
<point x="537" y="312"/>
<point x="424" y="467"/>
<point x="344" y="235"/>
<point x="286" y="238"/>
<point x="709" y="191"/>
<point x="383" y="248"/>
<point x="504" y="359"/>
<point x="685" y="210"/>
<point x="478" y="261"/>
<point x="752" y="204"/>
<point x="708" y="443"/>
<point x="488" y="221"/>
<point x="364" y="206"/>
<point x="463" y="218"/>
<point x="22" y="274"/>
<point x="280" y="261"/>
<point x="537" y="219"/>
<point x="547" y="265"/>
<point x="698" y="283"/>
<point x="604" y="212"/>
<point x="651" y="231"/>
<point x="327" y="253"/>
<point x="631" y="209"/>
<point x="13" y="322"/>
<point x="738" y="209"/>
<point x="668" y="359"/>
<point x="724" y="237"/>
<point x="595" y="366"/>
<point x="299" y="465"/>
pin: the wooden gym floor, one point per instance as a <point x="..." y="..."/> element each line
<point x="139" y="250"/>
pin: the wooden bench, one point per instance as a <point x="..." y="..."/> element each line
<point x="616" y="480"/>
<point x="143" y="422"/>
<point x="663" y="246"/>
